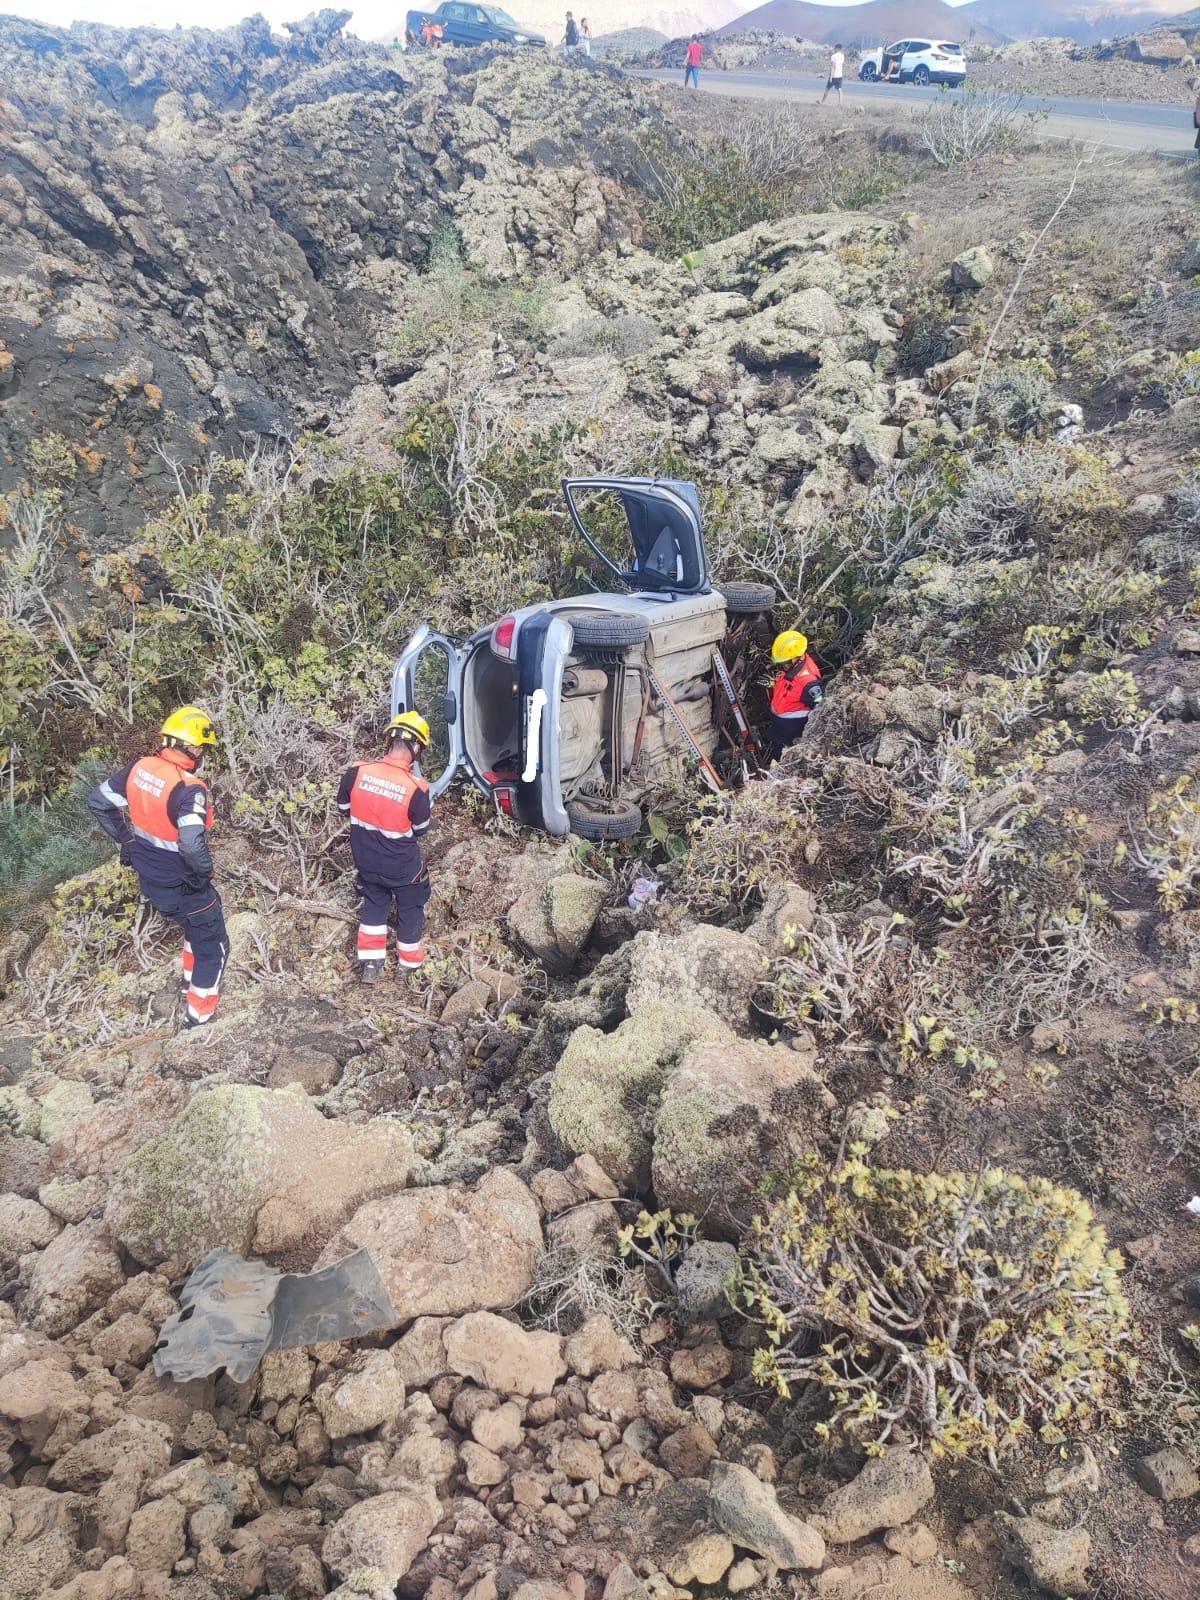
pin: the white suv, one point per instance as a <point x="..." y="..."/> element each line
<point x="919" y="61"/>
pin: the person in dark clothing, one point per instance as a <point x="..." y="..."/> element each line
<point x="159" y="812"/>
<point x="388" y="806"/>
<point x="797" y="690"/>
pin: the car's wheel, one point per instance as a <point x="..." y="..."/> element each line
<point x="747" y="599"/>
<point x="868" y="72"/>
<point x="921" y="77"/>
<point x="608" y="630"/>
<point x="604" y="819"/>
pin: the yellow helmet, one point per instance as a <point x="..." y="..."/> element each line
<point x="190" y="725"/>
<point x="410" y="722"/>
<point x="789" y="646"/>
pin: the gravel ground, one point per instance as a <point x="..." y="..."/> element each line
<point x="1113" y="79"/>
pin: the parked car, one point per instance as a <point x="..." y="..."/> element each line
<point x="919" y="61"/>
<point x="564" y="713"/>
<point x="471" y="24"/>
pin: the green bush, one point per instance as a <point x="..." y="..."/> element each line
<point x="968" y="1308"/>
<point x="701" y="193"/>
<point x="41" y="846"/>
<point x="740" y="843"/>
<point x="451" y="303"/>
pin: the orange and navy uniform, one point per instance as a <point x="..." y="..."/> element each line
<point x="159" y="812"/>
<point x="797" y="692"/>
<point x="162" y="811"/>
<point x="388" y="807"/>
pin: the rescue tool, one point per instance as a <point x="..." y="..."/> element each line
<point x="721" y="674"/>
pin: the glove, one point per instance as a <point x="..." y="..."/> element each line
<point x="127" y="854"/>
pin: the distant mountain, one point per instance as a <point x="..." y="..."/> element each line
<point x="1087" y="21"/>
<point x="875" y="22"/>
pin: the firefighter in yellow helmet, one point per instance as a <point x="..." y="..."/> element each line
<point x="797" y="690"/>
<point x="159" y="811"/>
<point x="387" y="803"/>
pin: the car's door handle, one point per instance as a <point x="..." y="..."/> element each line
<point x="537" y="704"/>
<point x="450" y="707"/>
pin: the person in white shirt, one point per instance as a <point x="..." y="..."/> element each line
<point x="837" y="63"/>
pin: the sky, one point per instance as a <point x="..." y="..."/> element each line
<point x="371" y="17"/>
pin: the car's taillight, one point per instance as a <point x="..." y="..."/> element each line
<point x="504" y="801"/>
<point x="502" y="636"/>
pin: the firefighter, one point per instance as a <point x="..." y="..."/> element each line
<point x="159" y="811"/>
<point x="797" y="690"/>
<point x="387" y="802"/>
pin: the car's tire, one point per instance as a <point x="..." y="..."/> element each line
<point x="868" y="72"/>
<point x="604" y="819"/>
<point x="921" y="77"/>
<point x="747" y="599"/>
<point x="608" y="630"/>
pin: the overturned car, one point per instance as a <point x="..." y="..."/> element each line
<point x="566" y="713"/>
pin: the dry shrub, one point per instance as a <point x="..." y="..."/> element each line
<point x="961" y="127"/>
<point x="968" y="1308"/>
<point x="573" y="1284"/>
<point x="845" y="978"/>
<point x="742" y="842"/>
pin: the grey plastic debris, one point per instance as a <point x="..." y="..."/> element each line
<point x="232" y="1311"/>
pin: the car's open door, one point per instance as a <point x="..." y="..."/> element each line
<point x="428" y="678"/>
<point x="660" y="546"/>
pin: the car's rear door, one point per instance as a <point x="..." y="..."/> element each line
<point x="428" y="678"/>
<point x="660" y="546"/>
<point x="476" y="28"/>
<point x="453" y="18"/>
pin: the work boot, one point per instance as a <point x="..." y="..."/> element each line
<point x="371" y="971"/>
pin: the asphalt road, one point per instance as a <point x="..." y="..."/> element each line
<point x="1124" y="124"/>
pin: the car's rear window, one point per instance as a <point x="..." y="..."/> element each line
<point x="951" y="49"/>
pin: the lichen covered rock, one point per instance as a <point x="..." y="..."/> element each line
<point x="251" y="1170"/>
<point x="731" y="1113"/>
<point x="553" y="920"/>
<point x="716" y="968"/>
<point x="606" y="1085"/>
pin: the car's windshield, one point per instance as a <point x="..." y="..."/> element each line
<point x="499" y="17"/>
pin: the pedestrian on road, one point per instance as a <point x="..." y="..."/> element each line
<point x="158" y="811"/>
<point x="837" y="65"/>
<point x="585" y="36"/>
<point x="388" y="807"/>
<point x="691" y="62"/>
<point x="570" y="38"/>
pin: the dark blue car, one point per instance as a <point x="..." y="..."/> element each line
<point x="461" y="23"/>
